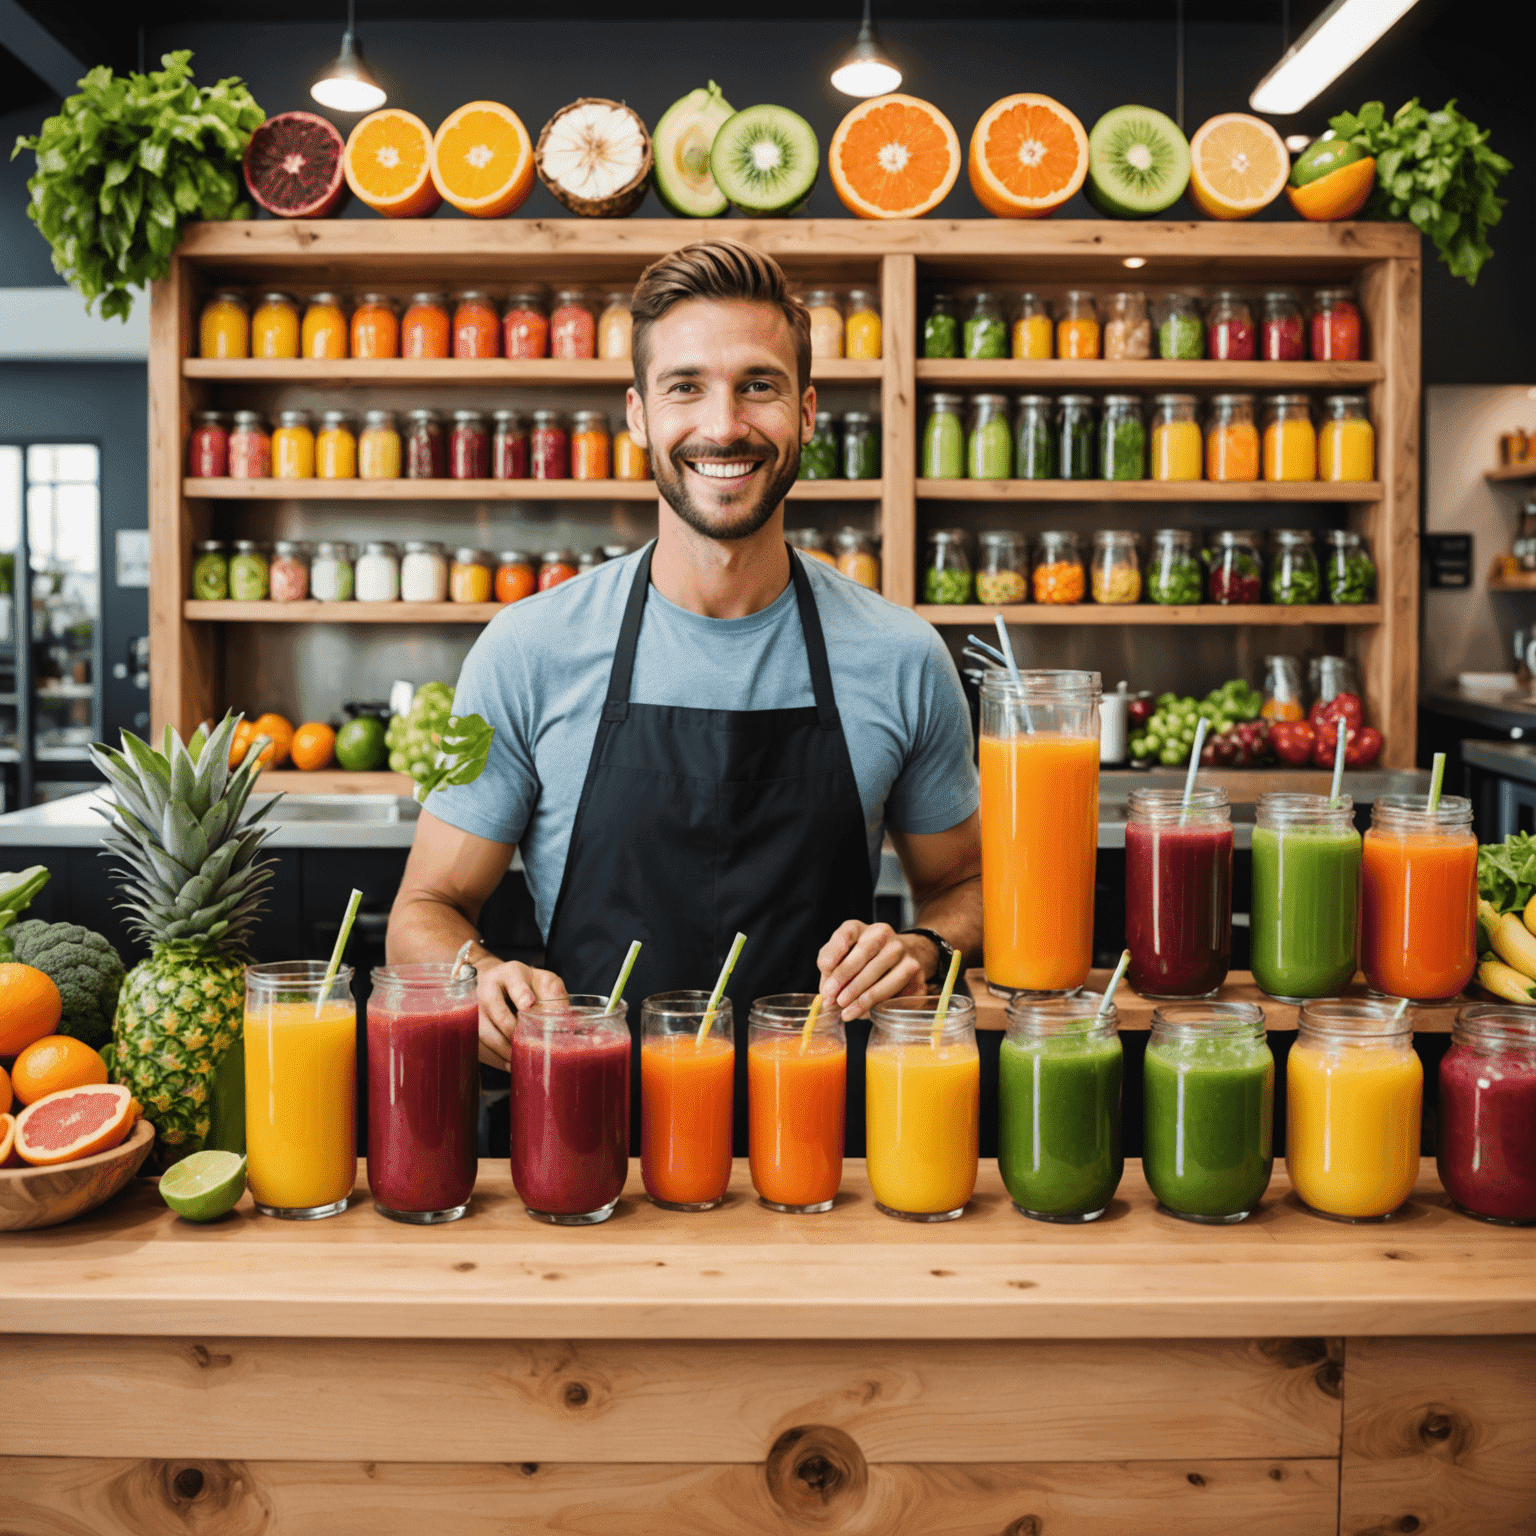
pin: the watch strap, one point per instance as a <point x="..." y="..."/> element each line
<point x="944" y="947"/>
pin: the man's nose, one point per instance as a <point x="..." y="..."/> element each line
<point x="723" y="418"/>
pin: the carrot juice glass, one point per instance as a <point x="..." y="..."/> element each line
<point x="796" y="1102"/>
<point x="1039" y="754"/>
<point x="686" y="1100"/>
<point x="1418" y="880"/>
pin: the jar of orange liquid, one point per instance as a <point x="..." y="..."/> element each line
<point x="470" y="578"/>
<point x="275" y="327"/>
<point x="1033" y="334"/>
<point x="797" y="1087"/>
<point x="375" y="327"/>
<point x="1039" y="755"/>
<point x="687" y="1099"/>
<point x="1290" y="443"/>
<point x="590" y="447"/>
<point x="1346" y="447"/>
<point x="1418" y="880"/>
<point x="336" y="447"/>
<point x="378" y="447"/>
<point x="1176" y="447"/>
<point x="476" y="327"/>
<point x="324" y="333"/>
<point x="426" y="330"/>
<point x="630" y="460"/>
<point x="1232" y="439"/>
<point x="861" y="328"/>
<point x="1077" y="327"/>
<point x="225" y="327"/>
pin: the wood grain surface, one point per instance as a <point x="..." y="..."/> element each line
<point x="45" y="1197"/>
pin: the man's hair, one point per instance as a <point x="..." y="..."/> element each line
<point x="715" y="269"/>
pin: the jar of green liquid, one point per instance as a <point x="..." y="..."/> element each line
<point x="986" y="332"/>
<point x="819" y="457"/>
<point x="941" y="330"/>
<point x="1075" y="437"/>
<point x="1035" y="439"/>
<point x="947" y="570"/>
<point x="989" y="443"/>
<point x="1058" y="1108"/>
<point x="861" y="446"/>
<point x="1181" y="331"/>
<point x="248" y="571"/>
<point x="1122" y="439"/>
<point x="944" y="438"/>
<point x="1306" y="895"/>
<point x="210" y="571"/>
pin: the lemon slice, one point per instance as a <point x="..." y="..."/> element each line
<point x="1237" y="165"/>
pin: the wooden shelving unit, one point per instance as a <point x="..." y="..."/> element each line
<point x="1507" y="473"/>
<point x="903" y="261"/>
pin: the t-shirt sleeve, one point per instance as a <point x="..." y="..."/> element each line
<point x="937" y="787"/>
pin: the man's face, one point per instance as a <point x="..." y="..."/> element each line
<point x="723" y="416"/>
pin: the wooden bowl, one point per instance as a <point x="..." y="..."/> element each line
<point x="43" y="1197"/>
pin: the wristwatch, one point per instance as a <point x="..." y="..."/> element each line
<point x="945" y="948"/>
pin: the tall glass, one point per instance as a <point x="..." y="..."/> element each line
<point x="1488" y="1113"/>
<point x="570" y="1108"/>
<point x="300" y="1089"/>
<point x="1039" y="754"/>
<point x="423" y="1092"/>
<point x="1058" y="1114"/>
<point x="922" y="1103"/>
<point x="687" y="1093"/>
<point x="797" y="1091"/>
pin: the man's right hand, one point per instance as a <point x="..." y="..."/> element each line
<point x="503" y="987"/>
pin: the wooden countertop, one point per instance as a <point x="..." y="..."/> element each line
<point x="743" y="1272"/>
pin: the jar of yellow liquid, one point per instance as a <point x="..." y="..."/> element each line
<point x="1290" y="443"/>
<point x="378" y="447"/>
<point x="336" y="448"/>
<point x="1077" y="327"/>
<point x="1177" y="448"/>
<point x="275" y="327"/>
<point x="293" y="447"/>
<point x="225" y="327"/>
<point x="1034" y="336"/>
<point x="861" y="330"/>
<point x="324" y="332"/>
<point x="858" y="556"/>
<point x="1346" y="446"/>
<point x="1354" y="1090"/>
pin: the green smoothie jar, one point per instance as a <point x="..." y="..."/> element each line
<point x="1306" y="896"/>
<point x="944" y="438"/>
<point x="1208" y="1110"/>
<point x="989" y="443"/>
<point x="1058" y="1122"/>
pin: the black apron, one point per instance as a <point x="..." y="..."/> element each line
<point x="695" y="824"/>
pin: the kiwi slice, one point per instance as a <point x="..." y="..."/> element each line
<point x="1138" y="163"/>
<point x="682" y="139"/>
<point x="765" y="160"/>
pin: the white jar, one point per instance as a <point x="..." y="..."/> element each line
<point x="424" y="573"/>
<point x="376" y="577"/>
<point x="330" y="573"/>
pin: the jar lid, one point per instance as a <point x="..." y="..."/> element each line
<point x="334" y="299"/>
<point x="1030" y="297"/>
<point x="824" y="418"/>
<point x="1344" y="537"/>
<point x="334" y="419"/>
<point x="429" y="417"/>
<point x="1179" y="400"/>
<point x="1228" y="296"/>
<point x="857" y="418"/>
<point x="1136" y="296"/>
<point x="249" y="546"/>
<point x="1333" y="295"/>
<point x="469" y="418"/>
<point x="996" y="402"/>
<point x="1115" y="536"/>
<point x="378" y="418"/>
<point x="375" y="299"/>
<point x="1287" y="401"/>
<point x="214" y="418"/>
<point x="423" y="547"/>
<point x="249" y="419"/>
<point x="209" y="546"/>
<point x="1228" y="400"/>
<point x="851" y="538"/>
<point x="1078" y="293"/>
<point x="288" y="549"/>
<point x="293" y="418"/>
<point x="428" y="298"/>
<point x="1059" y="536"/>
<point x="507" y="418"/>
<point x="1034" y="402"/>
<point x="805" y="538"/>
<point x="946" y="536"/>
<point x="945" y="402"/>
<point x="1122" y="400"/>
<point x="527" y="298"/>
<point x="861" y="295"/>
<point x="1173" y="536"/>
<point x="275" y="298"/>
<point x="514" y="557"/>
<point x="589" y="560"/>
<point x="818" y="298"/>
<point x="1225" y="537"/>
<point x="565" y="296"/>
<point x="469" y="556"/>
<point x="1333" y="400"/>
<point x="1279" y="296"/>
<point x="1292" y="536"/>
<point x="986" y="296"/>
<point x="621" y="295"/>
<point x="330" y="549"/>
<point x="600" y="418"/>
<point x="472" y="296"/>
<point x="558" y="557"/>
<point x="1000" y="537"/>
<point x="379" y="547"/>
<point x="1074" y="400"/>
<point x="546" y="418"/>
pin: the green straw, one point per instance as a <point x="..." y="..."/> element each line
<point x="944" y="997"/>
<point x="1401" y="1009"/>
<point x="719" y="992"/>
<point x="1114" y="983"/>
<point x="1338" y="762"/>
<point x="340" y="949"/>
<point x="1436" y="780"/>
<point x="624" y="970"/>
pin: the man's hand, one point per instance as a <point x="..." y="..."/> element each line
<point x="866" y="963"/>
<point x="503" y="987"/>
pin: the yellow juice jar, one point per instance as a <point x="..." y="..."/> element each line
<point x="224" y="329"/>
<point x="861" y="329"/>
<point x="1178" y="451"/>
<point x="336" y="448"/>
<point x="1346" y="446"/>
<point x="1034" y="336"/>
<point x="324" y="332"/>
<point x="275" y="327"/>
<point x="378" y="447"/>
<point x="293" y="447"/>
<point x="1290" y="443"/>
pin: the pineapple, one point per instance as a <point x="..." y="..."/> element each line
<point x="195" y="889"/>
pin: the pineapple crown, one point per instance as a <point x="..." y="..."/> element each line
<point x="177" y="821"/>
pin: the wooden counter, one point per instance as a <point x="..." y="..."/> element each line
<point x="743" y="1371"/>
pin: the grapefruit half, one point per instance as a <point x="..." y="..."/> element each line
<point x="894" y="157"/>
<point x="74" y="1123"/>
<point x="1029" y="154"/>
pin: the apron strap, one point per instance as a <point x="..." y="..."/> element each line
<point x="617" y="705"/>
<point x="815" y="646"/>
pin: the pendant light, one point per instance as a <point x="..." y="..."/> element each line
<point x="866" y="69"/>
<point x="1344" y="31"/>
<point x="346" y="84"/>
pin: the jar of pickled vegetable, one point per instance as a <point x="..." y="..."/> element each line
<point x="1077" y="326"/>
<point x="288" y="575"/>
<point x="377" y="574"/>
<point x="1294" y="579"/>
<point x="330" y="573"/>
<point x="1057" y="576"/>
<point x="1127" y="330"/>
<point x="985" y="333"/>
<point x="1350" y="575"/>
<point x="858" y="556"/>
<point x="826" y="323"/>
<point x="515" y="577"/>
<point x="208" y="447"/>
<point x="293" y="447"/>
<point x="1180" y="330"/>
<point x="324" y="332"/>
<point x="470" y="577"/>
<point x="1346" y="446"/>
<point x="1290" y="442"/>
<point x="1177" y="450"/>
<point x="1122" y="439"/>
<point x="558" y="565"/>
<point x="469" y="447"/>
<point x="509" y="446"/>
<point x="250" y="449"/>
<point x="947" y="569"/>
<point x="1116" y="567"/>
<point x="476" y="326"/>
<point x="1075" y="437"/>
<point x="989" y="441"/>
<point x="1282" y="333"/>
<point x="819" y="457"/>
<point x="590" y="447"/>
<point x="1173" y="572"/>
<point x="336" y="447"/>
<point x="525" y="326"/>
<point x="1002" y="572"/>
<point x="378" y="448"/>
<point x="1232" y="439"/>
<point x="615" y="327"/>
<point x="1282" y="690"/>
<point x="1034" y="337"/>
<point x="375" y="327"/>
<point x="1034" y="439"/>
<point x="424" y="572"/>
<point x="941" y="328"/>
<point x="861" y="328"/>
<point x="248" y="572"/>
<point x="1335" y="326"/>
<point x="944" y="438"/>
<point x="1236" y="572"/>
<point x="210" y="571"/>
<point x="811" y="542"/>
<point x="630" y="460"/>
<point x="224" y="329"/>
<point x="549" y="447"/>
<point x="275" y="327"/>
<point x="861" y="446"/>
<point x="572" y="326"/>
<point x="1229" y="329"/>
<point x="426" y="330"/>
<point x="425" y="458"/>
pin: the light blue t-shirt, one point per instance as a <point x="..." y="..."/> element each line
<point x="539" y="675"/>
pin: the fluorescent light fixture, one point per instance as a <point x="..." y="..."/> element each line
<point x="1296" y="142"/>
<point x="346" y="84"/>
<point x="1323" y="52"/>
<point x="866" y="69"/>
<point x="1134" y="261"/>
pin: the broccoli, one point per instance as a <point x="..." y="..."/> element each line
<point x="85" y="968"/>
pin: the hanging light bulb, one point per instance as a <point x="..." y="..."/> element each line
<point x="866" y="69"/>
<point x="346" y="84"/>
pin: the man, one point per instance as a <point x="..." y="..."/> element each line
<point x="713" y="734"/>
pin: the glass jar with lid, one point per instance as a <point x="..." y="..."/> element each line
<point x="1034" y="439"/>
<point x="1329" y="676"/>
<point x="811" y="542"/>
<point x="630" y="460"/>
<point x="1034" y="336"/>
<point x="1290" y="441"/>
<point x="378" y="447"/>
<point x="1076" y="439"/>
<point x="549" y="447"/>
<point x="861" y="326"/>
<point x="1335" y="326"/>
<point x="1057" y="576"/>
<point x="556" y="567"/>
<point x="986" y="332"/>
<point x="1122" y="439"/>
<point x="248" y="568"/>
<point x="826" y="323"/>
<point x="515" y="577"/>
<point x="375" y="327"/>
<point x="376" y="576"/>
<point x="1294" y="579"/>
<point x="615" y="326"/>
<point x="861" y="446"/>
<point x="330" y="573"/>
<point x="1282" y="332"/>
<point x="469" y="447"/>
<point x="224" y="329"/>
<point x="1232" y="440"/>
<point x="1229" y="336"/>
<point x="288" y="574"/>
<point x="591" y="447"/>
<point x="1236" y="572"/>
<point x="471" y="578"/>
<point x="1077" y="326"/>
<point x="572" y="326"/>
<point x="249" y="450"/>
<point x="509" y="446"/>
<point x="1002" y="571"/>
<point x="1127" y="330"/>
<point x="426" y="329"/>
<point x="820" y="456"/>
<point x="323" y="333"/>
<point x="210" y="570"/>
<point x="1180" y="329"/>
<point x="1116" y="566"/>
<point x="941" y="328"/>
<point x="336" y="447"/>
<point x="1173" y="572"/>
<point x="1346" y="446"/>
<point x="425" y="456"/>
<point x="1487" y="1142"/>
<point x="1178" y="452"/>
<point x="476" y="326"/>
<point x="944" y="438"/>
<point x="1351" y="574"/>
<point x="525" y="325"/>
<point x="1282" y="690"/>
<point x="208" y="447"/>
<point x="424" y="572"/>
<point x="858" y="556"/>
<point x="293" y="447"/>
<point x="989" y="441"/>
<point x="275" y="327"/>
<point x="947" y="570"/>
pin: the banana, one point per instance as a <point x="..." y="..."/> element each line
<point x="1515" y="944"/>
<point x="1504" y="982"/>
<point x="1530" y="914"/>
<point x="1487" y="921"/>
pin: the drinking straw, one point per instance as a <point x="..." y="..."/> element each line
<point x="1401" y="1009"/>
<point x="719" y="992"/>
<point x="1007" y="649"/>
<point x="989" y="652"/>
<point x="1194" y="767"/>
<point x="624" y="970"/>
<point x="460" y="960"/>
<point x="341" y="944"/>
<point x="1338" y="763"/>
<point x="1114" y="983"/>
<point x="944" y="996"/>
<point x="810" y="1022"/>
<point x="1436" y="780"/>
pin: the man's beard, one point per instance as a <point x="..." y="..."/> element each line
<point x="745" y="517"/>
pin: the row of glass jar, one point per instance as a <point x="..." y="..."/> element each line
<point x="1010" y="566"/>
<point x="1186" y="330"/>
<point x="845" y="325"/>
<point x="1059" y="439"/>
<point x="850" y="550"/>
<point x="507" y="447"/>
<point x="846" y="448"/>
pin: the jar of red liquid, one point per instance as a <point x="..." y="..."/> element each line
<point x="1335" y="326"/>
<point x="469" y="447"/>
<point x="557" y="565"/>
<point x="590" y="448"/>
<point x="425" y="331"/>
<point x="425" y="458"/>
<point x="1236" y="568"/>
<point x="549" y="448"/>
<point x="1178" y="891"/>
<point x="514" y="577"/>
<point x="423" y="1091"/>
<point x="208" y="447"/>
<point x="525" y="326"/>
<point x="476" y="326"/>
<point x="1229" y="329"/>
<point x="250" y="449"/>
<point x="572" y="326"/>
<point x="509" y="446"/>
<point x="1282" y="335"/>
<point x="1487" y="1152"/>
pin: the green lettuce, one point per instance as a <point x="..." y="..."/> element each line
<point x="1506" y="872"/>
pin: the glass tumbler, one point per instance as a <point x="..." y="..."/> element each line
<point x="797" y="1087"/>
<point x="687" y="1082"/>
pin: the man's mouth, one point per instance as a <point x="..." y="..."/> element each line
<point x="727" y="473"/>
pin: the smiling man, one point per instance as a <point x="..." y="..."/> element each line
<point x="713" y="734"/>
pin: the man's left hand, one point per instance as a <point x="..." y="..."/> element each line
<point x="866" y="963"/>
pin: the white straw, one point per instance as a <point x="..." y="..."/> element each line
<point x="1114" y="983"/>
<point x="1194" y="765"/>
<point x="1338" y="763"/>
<point x="1007" y="647"/>
<point x="624" y="970"/>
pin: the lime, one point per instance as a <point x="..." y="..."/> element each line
<point x="360" y="744"/>
<point x="205" y="1186"/>
<point x="1322" y="157"/>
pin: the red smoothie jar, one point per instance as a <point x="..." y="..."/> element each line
<point x="509" y="446"/>
<point x="469" y="447"/>
<point x="1487" y="1152"/>
<point x="1335" y="326"/>
<point x="549" y="447"/>
<point x="208" y="449"/>
<point x="1283" y="334"/>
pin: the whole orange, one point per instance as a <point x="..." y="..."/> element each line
<point x="55" y="1062"/>
<point x="275" y="754"/>
<point x="240" y="743"/>
<point x="314" y="744"/>
<point x="30" y="1007"/>
<point x="5" y="1090"/>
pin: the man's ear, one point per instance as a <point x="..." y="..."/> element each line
<point x="807" y="414"/>
<point x="634" y="417"/>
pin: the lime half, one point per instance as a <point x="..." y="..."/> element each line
<point x="205" y="1186"/>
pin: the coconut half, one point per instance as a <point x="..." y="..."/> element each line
<point x="595" y="156"/>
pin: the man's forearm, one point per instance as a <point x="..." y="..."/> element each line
<point x="955" y="913"/>
<point x="425" y="929"/>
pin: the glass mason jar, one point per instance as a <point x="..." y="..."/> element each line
<point x="591" y="447"/>
<point x="425" y="456"/>
<point x="1346" y="446"/>
<point x="826" y="323"/>
<point x="1180" y="330"/>
<point x="1208" y="1084"/>
<point x="570" y="1108"/>
<point x="1039" y="755"/>
<point x="248" y="568"/>
<point x="1057" y="575"/>
<point x="858" y="556"/>
<point x="1034" y="336"/>
<point x="376" y="575"/>
<point x="796" y="1102"/>
<point x="1127" y="330"/>
<point x="861" y="325"/>
<point x="1305" y="906"/>
<point x="210" y="571"/>
<point x="1232" y="440"/>
<point x="288" y="574"/>
<point x="941" y="328"/>
<point x="1002" y="573"/>
<point x="293" y="447"/>
<point x="525" y="325"/>
<point x="208" y="446"/>
<point x="1178" y="891"/>
<point x="1290" y="440"/>
<point x="820" y="456"/>
<point x="811" y="542"/>
<point x="1077" y="326"/>
<point x="1173" y="573"/>
<point x="1075" y="437"/>
<point x="615" y="326"/>
<point x="1178" y="452"/>
<point x="943" y="439"/>
<point x="275" y="327"/>
<point x="1122" y="439"/>
<point x="300" y="1088"/>
<point x="1236" y="567"/>
<point x="330" y="573"/>
<point x="1059" y="1072"/>
<point x="476" y="326"/>
<point x="1294" y="579"/>
<point x="1034" y="439"/>
<point x="687" y="1099"/>
<point x="469" y="447"/>
<point x="425" y="329"/>
<point x="423" y="1091"/>
<point x="509" y="446"/>
<point x="1282" y="690"/>
<point x="556" y="566"/>
<point x="630" y="460"/>
<point x="572" y="326"/>
<point x="249" y="450"/>
<point x="224" y="328"/>
<point x="989" y="439"/>
<point x="515" y="579"/>
<point x="861" y="446"/>
<point x="1229" y="334"/>
<point x="1354" y="1088"/>
<point x="1418" y="905"/>
<point x="1487" y="1151"/>
<point x="549" y="447"/>
<point x="947" y="569"/>
<point x="471" y="577"/>
<point x="375" y="327"/>
<point x="1329" y="676"/>
<point x="424" y="572"/>
<point x="1350" y="573"/>
<point x="1335" y="326"/>
<point x="986" y="332"/>
<point x="336" y="447"/>
<point x="1282" y="332"/>
<point x="378" y="448"/>
<point x="922" y="1107"/>
<point x="323" y="332"/>
<point x="1116" y="566"/>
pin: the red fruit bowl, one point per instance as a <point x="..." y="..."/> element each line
<point x="43" y="1197"/>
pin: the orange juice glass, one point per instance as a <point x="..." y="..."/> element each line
<point x="797" y="1088"/>
<point x="1039" y="829"/>
<point x="687" y="1090"/>
<point x="1418" y="909"/>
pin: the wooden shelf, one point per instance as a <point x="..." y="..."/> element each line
<point x="1246" y="615"/>
<point x="548" y="371"/>
<point x="1150" y="490"/>
<point x="486" y="490"/>
<point x="1525" y="582"/>
<point x="1511" y="472"/>
<point x="311" y="612"/>
<point x="334" y="781"/>
<point x="1146" y="373"/>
